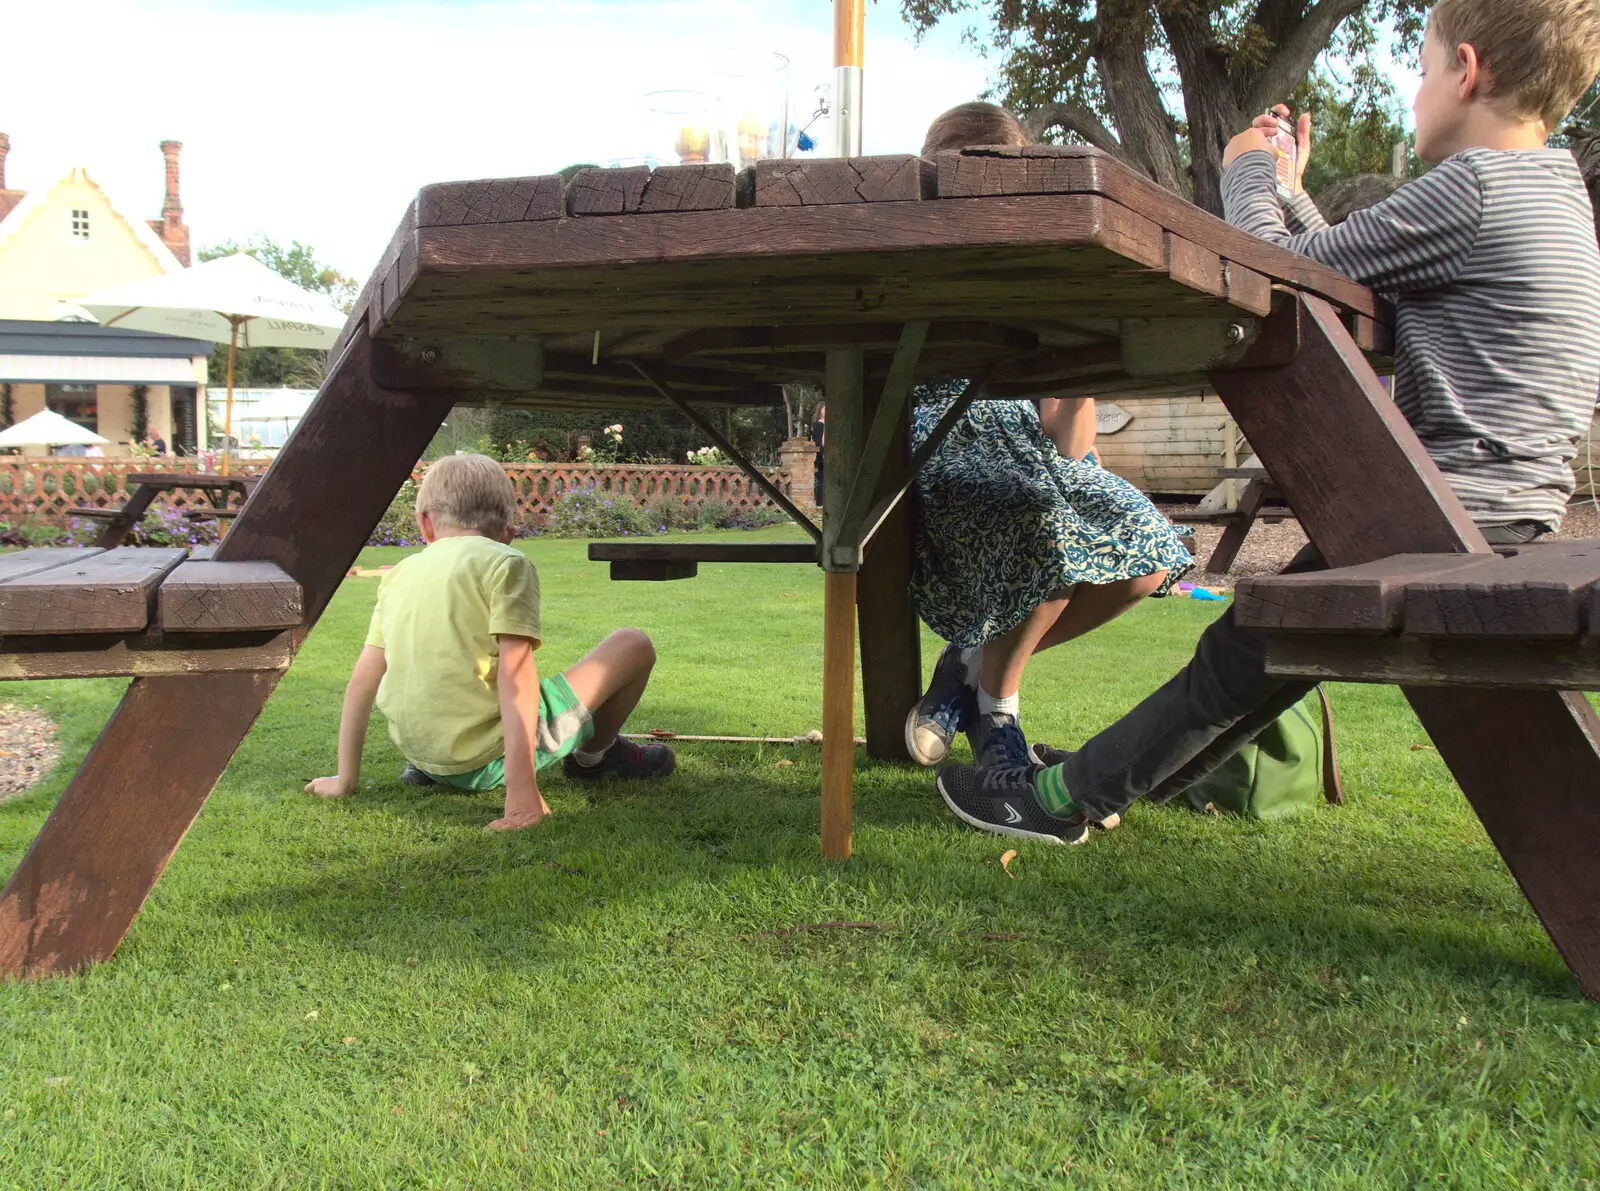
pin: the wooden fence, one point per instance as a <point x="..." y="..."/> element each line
<point x="42" y="490"/>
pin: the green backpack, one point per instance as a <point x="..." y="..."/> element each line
<point x="1289" y="765"/>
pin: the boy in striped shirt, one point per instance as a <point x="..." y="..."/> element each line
<point x="1492" y="262"/>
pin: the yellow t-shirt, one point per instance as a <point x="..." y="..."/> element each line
<point x="437" y="618"/>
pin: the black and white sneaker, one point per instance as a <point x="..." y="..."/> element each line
<point x="1002" y="801"/>
<point x="1044" y="756"/>
<point x="412" y="776"/>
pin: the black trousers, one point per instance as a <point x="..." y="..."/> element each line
<point x="1203" y="714"/>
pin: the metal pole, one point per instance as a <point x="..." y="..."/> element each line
<point x="849" y="40"/>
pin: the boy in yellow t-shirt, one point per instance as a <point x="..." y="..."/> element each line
<point x="449" y="660"/>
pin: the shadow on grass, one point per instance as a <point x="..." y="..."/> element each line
<point x="728" y="851"/>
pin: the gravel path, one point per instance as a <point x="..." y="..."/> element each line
<point x="29" y="749"/>
<point x="1269" y="548"/>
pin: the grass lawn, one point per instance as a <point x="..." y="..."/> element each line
<point x="375" y="994"/>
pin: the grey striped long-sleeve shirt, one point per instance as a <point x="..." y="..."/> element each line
<point x="1491" y="261"/>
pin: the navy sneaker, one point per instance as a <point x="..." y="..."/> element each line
<point x="1044" y="756"/>
<point x="412" y="776"/>
<point x="624" y="759"/>
<point x="997" y="741"/>
<point x="947" y="708"/>
<point x="1002" y="801"/>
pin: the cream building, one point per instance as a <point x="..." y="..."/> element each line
<point x="59" y="244"/>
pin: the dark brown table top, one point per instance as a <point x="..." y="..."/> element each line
<point x="191" y="479"/>
<point x="1086" y="277"/>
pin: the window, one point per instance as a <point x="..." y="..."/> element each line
<point x="76" y="403"/>
<point x="80" y="223"/>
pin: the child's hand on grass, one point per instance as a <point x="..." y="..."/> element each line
<point x="518" y="821"/>
<point x="330" y="787"/>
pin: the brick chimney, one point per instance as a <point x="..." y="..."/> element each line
<point x="8" y="198"/>
<point x="170" y="227"/>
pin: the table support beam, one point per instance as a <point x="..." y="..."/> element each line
<point x="722" y="444"/>
<point x="1528" y="761"/>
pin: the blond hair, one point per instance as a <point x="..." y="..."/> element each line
<point x="468" y="492"/>
<point x="968" y="125"/>
<point x="1542" y="54"/>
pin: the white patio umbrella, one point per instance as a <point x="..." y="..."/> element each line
<point x="48" y="429"/>
<point x="234" y="300"/>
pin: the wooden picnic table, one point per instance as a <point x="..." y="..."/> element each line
<point x="147" y="485"/>
<point x="1041" y="271"/>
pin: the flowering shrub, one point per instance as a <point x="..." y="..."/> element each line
<point x="588" y="513"/>
<point x="714" y="514"/>
<point x="759" y="517"/>
<point x="398" y="525"/>
<point x="670" y="512"/>
<point x="708" y="457"/>
<point x="166" y="526"/>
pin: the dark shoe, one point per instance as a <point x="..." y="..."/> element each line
<point x="412" y="776"/>
<point x="947" y="708"/>
<point x="624" y="759"/>
<point x="1044" y="756"/>
<point x="1002" y="802"/>
<point x="997" y="742"/>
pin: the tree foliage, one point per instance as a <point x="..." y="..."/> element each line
<point x="277" y="367"/>
<point x="1164" y="86"/>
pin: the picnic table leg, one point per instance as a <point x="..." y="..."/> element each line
<point x="102" y="849"/>
<point x="844" y="386"/>
<point x="838" y="711"/>
<point x="891" y="642"/>
<point x="1232" y="540"/>
<point x="132" y="512"/>
<point x="1528" y="761"/>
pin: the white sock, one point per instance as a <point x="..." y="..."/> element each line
<point x="589" y="760"/>
<point x="988" y="705"/>
<point x="972" y="659"/>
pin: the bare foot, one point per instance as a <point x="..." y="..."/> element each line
<point x="327" y="787"/>
<point x="518" y="822"/>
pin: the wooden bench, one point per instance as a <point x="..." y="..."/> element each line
<point x="657" y="561"/>
<point x="1253" y="506"/>
<point x="1523" y="616"/>
<point x="78" y="612"/>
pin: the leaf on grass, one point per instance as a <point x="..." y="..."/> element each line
<point x="312" y="1016"/>
<point x="1006" y="858"/>
<point x="412" y="961"/>
<point x="781" y="764"/>
<point x="1419" y="748"/>
<point x="57" y="1081"/>
<point x="352" y="1040"/>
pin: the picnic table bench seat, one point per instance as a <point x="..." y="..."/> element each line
<point x="1522" y="616"/>
<point x="84" y="611"/>
<point x="1253" y="505"/>
<point x="657" y="561"/>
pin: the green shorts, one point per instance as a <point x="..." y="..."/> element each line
<point x="564" y="724"/>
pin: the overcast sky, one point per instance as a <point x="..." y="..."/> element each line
<point x="316" y="120"/>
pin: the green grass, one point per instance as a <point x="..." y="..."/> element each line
<point x="1359" y="998"/>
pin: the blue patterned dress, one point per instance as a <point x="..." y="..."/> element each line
<point x="1005" y="521"/>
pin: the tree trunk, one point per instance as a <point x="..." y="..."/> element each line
<point x="1210" y="98"/>
<point x="1149" y="139"/>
